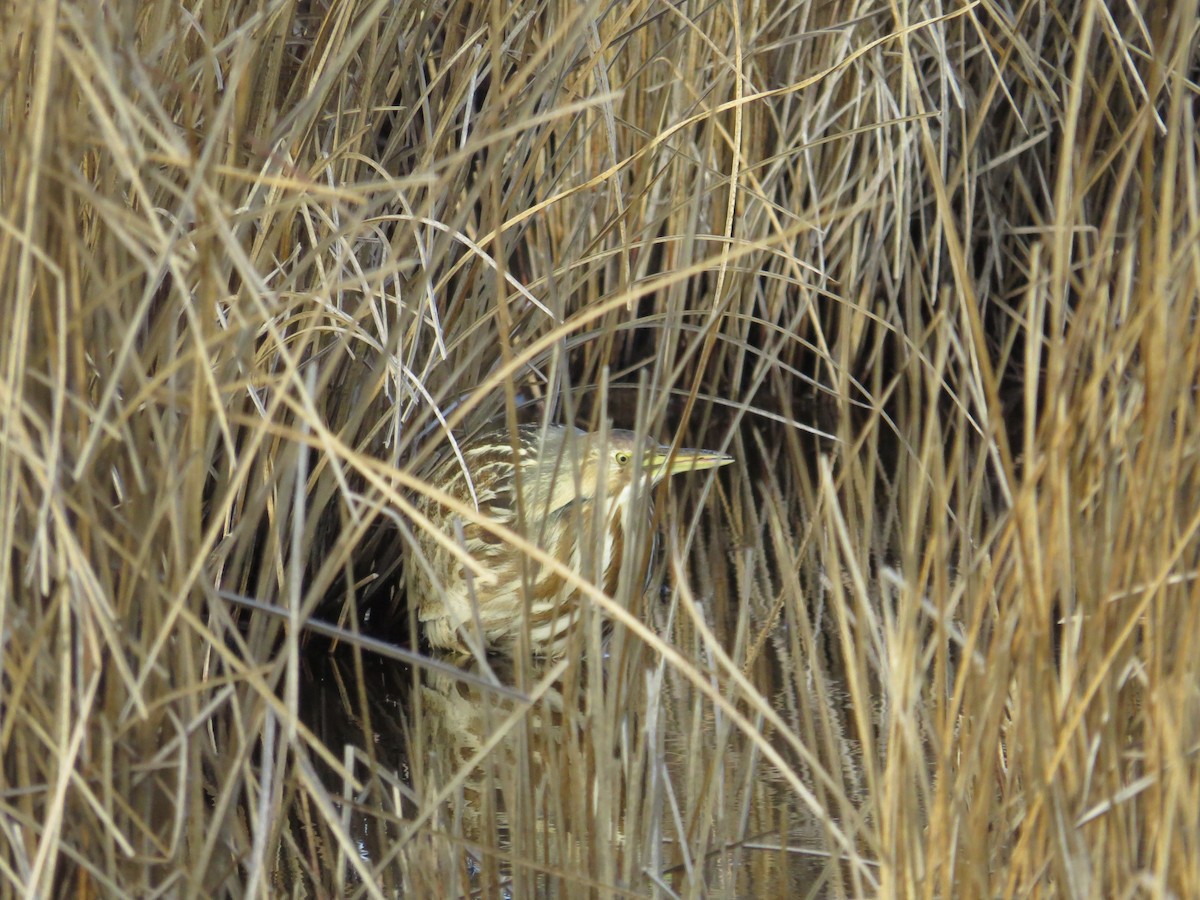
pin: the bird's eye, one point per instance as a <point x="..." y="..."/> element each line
<point x="622" y="458"/>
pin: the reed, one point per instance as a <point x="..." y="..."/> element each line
<point x="928" y="272"/>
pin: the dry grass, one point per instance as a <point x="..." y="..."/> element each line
<point x="932" y="273"/>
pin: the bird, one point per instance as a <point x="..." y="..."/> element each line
<point x="573" y="494"/>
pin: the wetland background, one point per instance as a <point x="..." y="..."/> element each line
<point x="929" y="271"/>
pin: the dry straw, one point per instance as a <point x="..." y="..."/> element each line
<point x="930" y="272"/>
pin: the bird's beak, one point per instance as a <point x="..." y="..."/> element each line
<point x="685" y="461"/>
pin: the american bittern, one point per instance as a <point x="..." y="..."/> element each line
<point x="564" y="476"/>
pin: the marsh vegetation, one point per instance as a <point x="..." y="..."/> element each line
<point x="930" y="272"/>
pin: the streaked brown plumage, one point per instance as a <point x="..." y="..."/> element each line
<point x="563" y="474"/>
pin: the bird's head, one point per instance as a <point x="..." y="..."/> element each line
<point x="624" y="460"/>
<point x="609" y="463"/>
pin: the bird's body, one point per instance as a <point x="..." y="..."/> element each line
<point x="579" y="495"/>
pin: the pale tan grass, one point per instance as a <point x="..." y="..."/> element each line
<point x="929" y="272"/>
